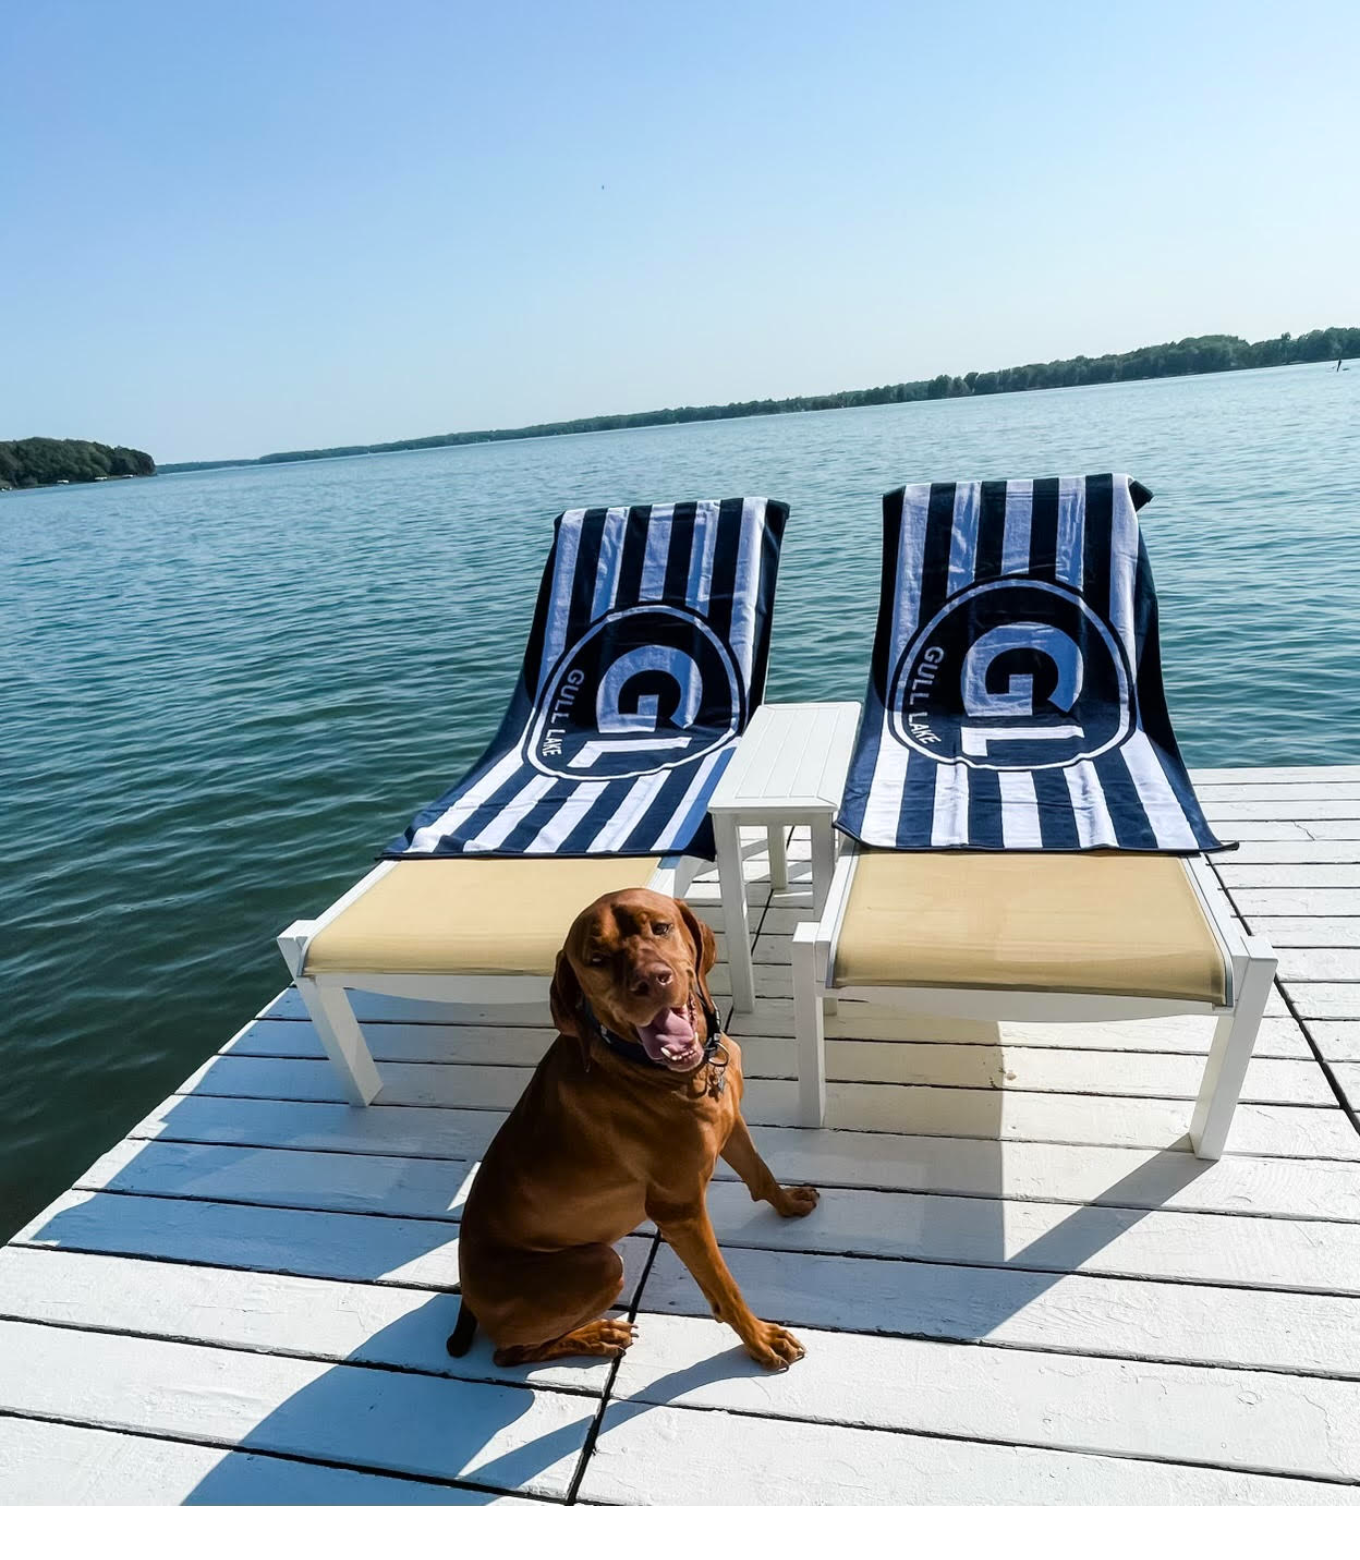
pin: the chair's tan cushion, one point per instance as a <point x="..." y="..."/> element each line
<point x="469" y="915"/>
<point x="1104" y="922"/>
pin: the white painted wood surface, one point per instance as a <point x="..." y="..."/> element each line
<point x="1258" y="1421"/>
<point x="380" y="1249"/>
<point x="275" y="1313"/>
<point x="511" y="1438"/>
<point x="1309" y="1188"/>
<point x="690" y="1459"/>
<point x="1071" y="1313"/>
<point x="1018" y="1285"/>
<point x="47" y="1464"/>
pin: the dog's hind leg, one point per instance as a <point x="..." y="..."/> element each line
<point x="558" y="1305"/>
<point x="605" y="1337"/>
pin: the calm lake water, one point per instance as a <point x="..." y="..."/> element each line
<point x="221" y="693"/>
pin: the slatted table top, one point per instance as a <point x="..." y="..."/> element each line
<point x="792" y="758"/>
<point x="1019" y="1286"/>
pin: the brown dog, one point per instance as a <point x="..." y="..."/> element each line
<point x="623" y="1120"/>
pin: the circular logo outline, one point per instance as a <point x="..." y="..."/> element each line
<point x="543" y="704"/>
<point x="917" y="643"/>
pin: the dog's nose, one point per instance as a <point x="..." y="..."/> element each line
<point x="655" y="982"/>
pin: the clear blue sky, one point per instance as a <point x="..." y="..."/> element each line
<point x="229" y="228"/>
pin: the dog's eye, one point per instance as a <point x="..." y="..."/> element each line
<point x="662" y="929"/>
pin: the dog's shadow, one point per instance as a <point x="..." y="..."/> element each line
<point x="490" y="1434"/>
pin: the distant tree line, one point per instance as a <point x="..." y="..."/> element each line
<point x="27" y="463"/>
<point x="1194" y="355"/>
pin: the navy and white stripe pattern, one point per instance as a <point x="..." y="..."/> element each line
<point x="1015" y="699"/>
<point x="646" y="659"/>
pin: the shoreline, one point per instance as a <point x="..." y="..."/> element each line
<point x="906" y="393"/>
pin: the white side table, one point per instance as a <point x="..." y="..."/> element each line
<point x="789" y="768"/>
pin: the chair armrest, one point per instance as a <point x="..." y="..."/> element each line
<point x="1260" y="951"/>
<point x="1215" y="905"/>
<point x="826" y="932"/>
<point x="809" y="933"/>
<point x="293" y="942"/>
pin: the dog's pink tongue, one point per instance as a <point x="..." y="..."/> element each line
<point x="670" y="1034"/>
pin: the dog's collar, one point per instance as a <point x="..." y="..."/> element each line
<point x="637" y="1053"/>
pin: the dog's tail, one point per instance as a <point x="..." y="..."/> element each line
<point x="460" y="1339"/>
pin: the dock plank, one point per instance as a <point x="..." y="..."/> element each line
<point x="1319" y="964"/>
<point x="471" y="1044"/>
<point x="1319" y="875"/>
<point x="677" y="1456"/>
<point x="1099" y="1175"/>
<point x="1338" y="1040"/>
<point x="1179" y="1323"/>
<point x="1308" y="1132"/>
<point x="383" y="1421"/>
<point x="1282" y="791"/>
<point x="288" y="1178"/>
<point x="1272" y="902"/>
<point x="419" y="1253"/>
<point x="412" y="1132"/>
<point x="1112" y="1074"/>
<point x="270" y="1313"/>
<point x="416" y="1252"/>
<point x="1236" y="829"/>
<point x="1302" y="811"/>
<point x="1052" y="1237"/>
<point x="1311" y="931"/>
<point x="1296" y="851"/>
<point x="48" y="1464"/>
<point x="1291" y="774"/>
<point x="1258" y="1421"/>
<point x="1325" y="999"/>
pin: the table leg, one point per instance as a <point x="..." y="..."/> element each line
<point x="736" y="921"/>
<point x="823" y="862"/>
<point x="779" y="856"/>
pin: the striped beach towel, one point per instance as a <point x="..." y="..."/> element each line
<point x="1015" y="699"/>
<point x="646" y="659"/>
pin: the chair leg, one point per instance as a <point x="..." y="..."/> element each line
<point x="736" y="920"/>
<point x="1234" y="1039"/>
<point x="823" y="863"/>
<point x="329" y="1010"/>
<point x="809" y="1028"/>
<point x="779" y="856"/>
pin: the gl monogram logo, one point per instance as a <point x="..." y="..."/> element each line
<point x="1012" y="674"/>
<point x="645" y="689"/>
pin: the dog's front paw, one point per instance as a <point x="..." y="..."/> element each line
<point x="774" y="1347"/>
<point x="796" y="1202"/>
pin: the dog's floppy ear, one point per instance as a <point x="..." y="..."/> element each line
<point x="705" y="948"/>
<point x="566" y="1000"/>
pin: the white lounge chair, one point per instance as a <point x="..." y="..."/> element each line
<point x="646" y="660"/>
<point x="1039" y="939"/>
<point x="1028" y="843"/>
<point x="467" y="930"/>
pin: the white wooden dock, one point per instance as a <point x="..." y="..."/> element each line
<point x="1019" y="1286"/>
